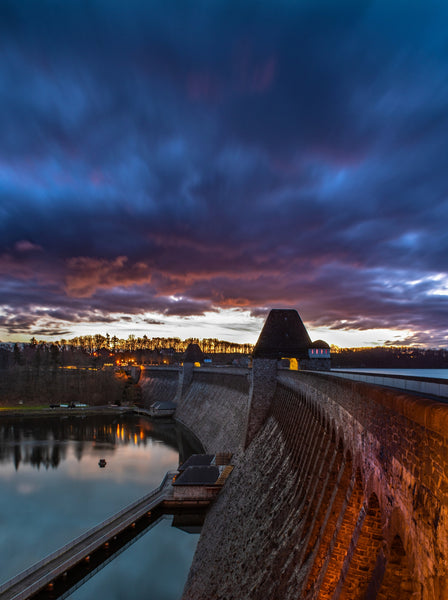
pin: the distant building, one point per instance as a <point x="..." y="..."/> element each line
<point x="194" y="355"/>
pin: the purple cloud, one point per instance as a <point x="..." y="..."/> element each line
<point x="181" y="160"/>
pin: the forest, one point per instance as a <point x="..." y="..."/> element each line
<point x="386" y="357"/>
<point x="96" y="351"/>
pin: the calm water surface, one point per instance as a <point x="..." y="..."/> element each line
<point x="52" y="490"/>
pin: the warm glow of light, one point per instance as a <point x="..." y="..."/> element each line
<point x="293" y="364"/>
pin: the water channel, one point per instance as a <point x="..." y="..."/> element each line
<point x="52" y="489"/>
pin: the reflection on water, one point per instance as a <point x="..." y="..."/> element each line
<point x="45" y="442"/>
<point x="160" y="549"/>
<point x="52" y="488"/>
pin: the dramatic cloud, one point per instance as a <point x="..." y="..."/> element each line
<point x="166" y="159"/>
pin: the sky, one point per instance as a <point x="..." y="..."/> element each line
<point x="178" y="167"/>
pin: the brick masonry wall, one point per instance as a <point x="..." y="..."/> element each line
<point x="400" y="445"/>
<point x="341" y="494"/>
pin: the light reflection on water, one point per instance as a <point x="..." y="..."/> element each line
<point x="52" y="489"/>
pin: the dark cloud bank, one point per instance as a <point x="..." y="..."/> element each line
<point x="177" y="158"/>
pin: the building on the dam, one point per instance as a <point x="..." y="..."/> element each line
<point x="194" y="355"/>
<point x="339" y="488"/>
<point x="284" y="336"/>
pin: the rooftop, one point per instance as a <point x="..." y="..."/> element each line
<point x="202" y="475"/>
<point x="283" y="336"/>
<point x="320" y="344"/>
<point x="193" y="354"/>
<point x="197" y="460"/>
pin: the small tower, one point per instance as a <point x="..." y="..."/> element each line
<point x="283" y="336"/>
<point x="193" y="355"/>
<point x="319" y="356"/>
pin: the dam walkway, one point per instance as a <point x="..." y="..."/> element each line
<point x="422" y="386"/>
<point x="58" y="574"/>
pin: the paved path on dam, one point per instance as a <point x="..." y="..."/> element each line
<point x="422" y="386"/>
<point x="41" y="576"/>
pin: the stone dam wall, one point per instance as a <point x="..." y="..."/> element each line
<point x="158" y="384"/>
<point x="215" y="405"/>
<point x="341" y="494"/>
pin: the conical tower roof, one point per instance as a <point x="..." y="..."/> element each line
<point x="283" y="336"/>
<point x="193" y="354"/>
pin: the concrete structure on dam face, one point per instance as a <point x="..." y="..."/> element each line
<point x="340" y="492"/>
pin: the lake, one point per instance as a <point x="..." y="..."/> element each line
<point x="53" y="489"/>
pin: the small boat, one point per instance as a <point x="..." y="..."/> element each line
<point x="102" y="463"/>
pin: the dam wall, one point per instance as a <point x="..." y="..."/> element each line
<point x="342" y="493"/>
<point x="158" y="384"/>
<point x="214" y="406"/>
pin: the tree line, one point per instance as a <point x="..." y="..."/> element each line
<point x="96" y="350"/>
<point x="97" y="342"/>
<point x="383" y="357"/>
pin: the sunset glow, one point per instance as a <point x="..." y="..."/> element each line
<point x="170" y="169"/>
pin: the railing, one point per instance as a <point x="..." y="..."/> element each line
<point x="155" y="495"/>
<point x="411" y="383"/>
<point x="162" y="368"/>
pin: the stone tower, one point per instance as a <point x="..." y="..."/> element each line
<point x="283" y="336"/>
<point x="193" y="354"/>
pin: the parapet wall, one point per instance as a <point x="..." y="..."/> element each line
<point x="342" y="494"/>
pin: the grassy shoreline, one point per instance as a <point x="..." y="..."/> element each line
<point x="46" y="410"/>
